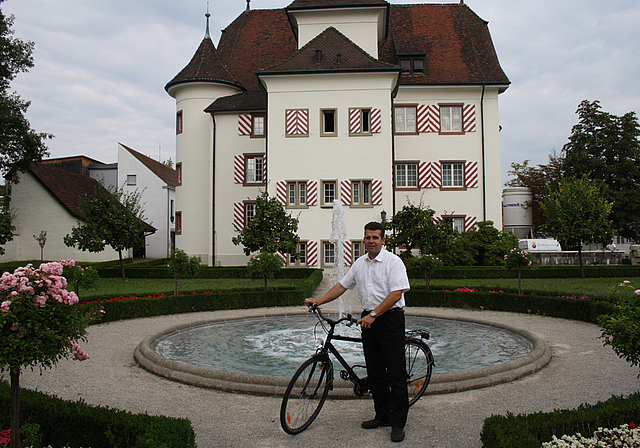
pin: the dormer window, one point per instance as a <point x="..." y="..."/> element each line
<point x="412" y="65"/>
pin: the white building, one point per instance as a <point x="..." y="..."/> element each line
<point x="358" y="101"/>
<point x="48" y="198"/>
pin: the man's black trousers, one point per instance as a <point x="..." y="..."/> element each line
<point x="383" y="346"/>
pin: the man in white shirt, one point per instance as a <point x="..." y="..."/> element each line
<point x="381" y="279"/>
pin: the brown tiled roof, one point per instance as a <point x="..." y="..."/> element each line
<point x="255" y="40"/>
<point x="249" y="101"/>
<point x="330" y="51"/>
<point x="70" y="188"/>
<point x="167" y="174"/>
<point x="456" y="42"/>
<point x="303" y="4"/>
<point x="204" y="66"/>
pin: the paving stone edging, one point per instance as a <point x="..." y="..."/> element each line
<point x="271" y="386"/>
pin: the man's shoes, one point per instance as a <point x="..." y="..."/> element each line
<point x="375" y="423"/>
<point x="397" y="435"/>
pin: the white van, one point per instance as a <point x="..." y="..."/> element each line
<point x="540" y="245"/>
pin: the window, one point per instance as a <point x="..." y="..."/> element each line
<point x="254" y="169"/>
<point x="451" y="118"/>
<point x="456" y="222"/>
<point x="131" y="179"/>
<point x="412" y="65"/>
<point x="360" y="192"/>
<point x="302" y="255"/>
<point x="249" y="211"/>
<point x="328" y="254"/>
<point x="179" y="122"/>
<point x="328" y="125"/>
<point x="328" y="192"/>
<point x="297" y="193"/>
<point x="357" y="250"/>
<point x="359" y="121"/>
<point x="407" y="175"/>
<point x="178" y="223"/>
<point x="452" y="175"/>
<point x="179" y="173"/>
<point x="405" y="119"/>
<point x="258" y="126"/>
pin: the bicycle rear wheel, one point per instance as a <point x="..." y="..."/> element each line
<point x="305" y="395"/>
<point x="419" y="363"/>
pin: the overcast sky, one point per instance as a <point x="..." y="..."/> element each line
<point x="101" y="67"/>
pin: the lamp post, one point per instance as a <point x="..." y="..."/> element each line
<point x="635" y="225"/>
<point x="383" y="216"/>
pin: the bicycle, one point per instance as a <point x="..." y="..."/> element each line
<point x="310" y="385"/>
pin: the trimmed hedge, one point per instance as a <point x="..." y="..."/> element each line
<point x="497" y="272"/>
<point x="76" y="424"/>
<point x="579" y="309"/>
<point x="530" y="431"/>
<point x="161" y="271"/>
<point x="211" y="301"/>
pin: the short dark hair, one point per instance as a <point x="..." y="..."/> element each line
<point x="374" y="225"/>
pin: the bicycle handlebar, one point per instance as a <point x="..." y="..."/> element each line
<point x="315" y="308"/>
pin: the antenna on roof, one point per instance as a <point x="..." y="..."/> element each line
<point x="207" y="15"/>
<point x="248" y="5"/>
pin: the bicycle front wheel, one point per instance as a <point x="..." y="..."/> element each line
<point x="419" y="363"/>
<point x="305" y="395"/>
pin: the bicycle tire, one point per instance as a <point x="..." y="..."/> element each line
<point x="305" y="394"/>
<point x="419" y="364"/>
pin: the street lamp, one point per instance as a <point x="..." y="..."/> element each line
<point x="635" y="225"/>
<point x="383" y="216"/>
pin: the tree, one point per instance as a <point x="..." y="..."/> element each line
<point x="264" y="266"/>
<point x="19" y="144"/>
<point x="488" y="245"/>
<point x="38" y="326"/>
<point x="270" y="230"/>
<point x="113" y="217"/>
<point x="182" y="265"/>
<point x="577" y="213"/>
<point x="605" y="147"/>
<point x="6" y="218"/>
<point x="517" y="258"/>
<point x="42" y="240"/>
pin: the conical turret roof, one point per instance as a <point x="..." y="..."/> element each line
<point x="205" y="66"/>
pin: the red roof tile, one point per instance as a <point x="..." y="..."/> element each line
<point x="317" y="4"/>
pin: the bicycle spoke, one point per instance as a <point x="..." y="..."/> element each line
<point x="419" y="362"/>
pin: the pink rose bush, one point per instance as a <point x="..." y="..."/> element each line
<point x="38" y="320"/>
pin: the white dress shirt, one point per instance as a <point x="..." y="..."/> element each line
<point x="377" y="278"/>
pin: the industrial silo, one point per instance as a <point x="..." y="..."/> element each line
<point x="516" y="211"/>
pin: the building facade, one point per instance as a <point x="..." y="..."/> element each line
<point x="363" y="102"/>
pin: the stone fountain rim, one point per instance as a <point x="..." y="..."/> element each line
<point x="147" y="358"/>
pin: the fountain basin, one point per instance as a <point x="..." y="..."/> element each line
<point x="145" y="355"/>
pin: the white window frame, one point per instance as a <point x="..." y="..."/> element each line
<point x="297" y="193"/>
<point x="325" y="185"/>
<point x="328" y="253"/>
<point x="406" y="118"/>
<point x="258" y="125"/>
<point x="451" y="119"/>
<point x="251" y="170"/>
<point x="453" y="175"/>
<point x="361" y="191"/>
<point x="302" y="250"/>
<point x="407" y="175"/>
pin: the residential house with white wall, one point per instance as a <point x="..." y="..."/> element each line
<point x="360" y="101"/>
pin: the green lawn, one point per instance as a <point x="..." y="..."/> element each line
<point x="115" y="287"/>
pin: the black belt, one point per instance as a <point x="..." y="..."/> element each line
<point x="392" y="310"/>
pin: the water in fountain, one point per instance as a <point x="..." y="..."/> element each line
<point x="338" y="237"/>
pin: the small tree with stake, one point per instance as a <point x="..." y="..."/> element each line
<point x="39" y="325"/>
<point x="182" y="265"/>
<point x="270" y="231"/>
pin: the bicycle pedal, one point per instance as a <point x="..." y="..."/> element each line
<point x="344" y="375"/>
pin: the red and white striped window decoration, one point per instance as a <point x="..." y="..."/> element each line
<point x="281" y="192"/>
<point x="365" y="121"/>
<point x="244" y="124"/>
<point x="471" y="174"/>
<point x="428" y="118"/>
<point x="312" y="253"/>
<point x="347" y="252"/>
<point x="240" y="174"/>
<point x="345" y="192"/>
<point x="469" y="118"/>
<point x="469" y="221"/>
<point x="312" y="192"/>
<point x="297" y="122"/>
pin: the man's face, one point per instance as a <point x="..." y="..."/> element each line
<point x="373" y="241"/>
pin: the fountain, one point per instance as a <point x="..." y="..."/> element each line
<point x="337" y="238"/>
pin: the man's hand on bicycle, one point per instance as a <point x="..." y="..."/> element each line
<point x="310" y="301"/>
